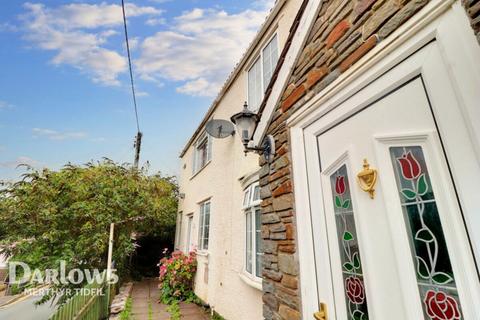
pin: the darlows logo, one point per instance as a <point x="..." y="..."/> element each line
<point x="20" y="273"/>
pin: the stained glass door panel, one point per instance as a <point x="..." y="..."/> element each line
<point x="410" y="259"/>
<point x="355" y="297"/>
<point x="435" y="277"/>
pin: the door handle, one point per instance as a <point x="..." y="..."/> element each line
<point x="322" y="313"/>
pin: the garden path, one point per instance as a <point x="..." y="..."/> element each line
<point x="145" y="305"/>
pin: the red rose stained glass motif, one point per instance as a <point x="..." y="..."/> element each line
<point x="435" y="276"/>
<point x="441" y="306"/>
<point x="355" y="290"/>
<point x="410" y="166"/>
<point x="340" y="185"/>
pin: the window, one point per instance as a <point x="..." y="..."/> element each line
<point x="255" y="93"/>
<point x="253" y="241"/>
<point x="204" y="225"/>
<point x="261" y="72"/>
<point x="270" y="58"/>
<point x="178" y="231"/>
<point x="188" y="243"/>
<point x="203" y="153"/>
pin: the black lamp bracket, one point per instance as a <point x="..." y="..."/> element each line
<point x="267" y="149"/>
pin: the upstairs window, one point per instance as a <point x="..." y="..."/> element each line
<point x="204" y="230"/>
<point x="255" y="88"/>
<point x="260" y="74"/>
<point x="270" y="59"/>
<point x="253" y="233"/>
<point x="202" y="153"/>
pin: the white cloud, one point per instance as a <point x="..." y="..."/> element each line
<point x="141" y="93"/>
<point x="160" y="1"/>
<point x="200" y="87"/>
<point x="78" y="33"/>
<point x="264" y="4"/>
<point x="57" y="135"/>
<point x="20" y="161"/>
<point x="199" y="49"/>
<point x="99" y="139"/>
<point x="5" y="105"/>
<point x="8" y="27"/>
<point x="156" y="21"/>
<point x="133" y="43"/>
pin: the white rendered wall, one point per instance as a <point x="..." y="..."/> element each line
<point x="227" y="290"/>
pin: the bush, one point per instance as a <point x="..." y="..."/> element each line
<point x="50" y="216"/>
<point x="177" y="276"/>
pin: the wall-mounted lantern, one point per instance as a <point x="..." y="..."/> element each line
<point x="246" y="122"/>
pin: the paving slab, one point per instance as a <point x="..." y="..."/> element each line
<point x="145" y="305"/>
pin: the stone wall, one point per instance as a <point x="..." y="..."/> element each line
<point x="473" y="11"/>
<point x="344" y="31"/>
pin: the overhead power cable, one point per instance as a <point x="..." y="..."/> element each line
<point x="138" y="138"/>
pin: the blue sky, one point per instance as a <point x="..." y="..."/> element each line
<point x="64" y="86"/>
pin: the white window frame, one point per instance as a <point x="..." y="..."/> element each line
<point x="197" y="166"/>
<point x="202" y="225"/>
<point x="250" y="206"/>
<point x="259" y="58"/>
<point x="178" y="230"/>
<point x="188" y="240"/>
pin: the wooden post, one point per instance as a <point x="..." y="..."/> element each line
<point x="109" y="268"/>
<point x="138" y="146"/>
<point x="110" y="251"/>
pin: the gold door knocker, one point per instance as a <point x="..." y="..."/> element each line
<point x="367" y="178"/>
<point x="322" y="313"/>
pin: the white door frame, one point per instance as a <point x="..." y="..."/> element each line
<point x="446" y="24"/>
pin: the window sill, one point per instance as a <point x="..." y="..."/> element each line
<point x="250" y="280"/>
<point x="200" y="170"/>
<point x="203" y="253"/>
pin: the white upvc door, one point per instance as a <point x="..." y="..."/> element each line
<point x="402" y="251"/>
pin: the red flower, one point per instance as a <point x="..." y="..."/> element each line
<point x="355" y="291"/>
<point x="340" y="185"/>
<point x="440" y="306"/>
<point x="410" y="166"/>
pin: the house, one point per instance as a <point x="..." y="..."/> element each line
<point x="369" y="208"/>
<point x="220" y="214"/>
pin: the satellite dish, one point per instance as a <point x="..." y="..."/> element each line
<point x="218" y="128"/>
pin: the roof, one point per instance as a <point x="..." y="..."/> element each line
<point x="264" y="28"/>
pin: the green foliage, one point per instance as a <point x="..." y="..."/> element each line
<point x="177" y="274"/>
<point x="126" y="314"/>
<point x="216" y="316"/>
<point x="150" y="310"/>
<point x="50" y="216"/>
<point x="174" y="310"/>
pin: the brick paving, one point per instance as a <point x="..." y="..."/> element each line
<point x="145" y="305"/>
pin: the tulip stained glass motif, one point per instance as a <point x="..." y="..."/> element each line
<point x="349" y="252"/>
<point x="435" y="278"/>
